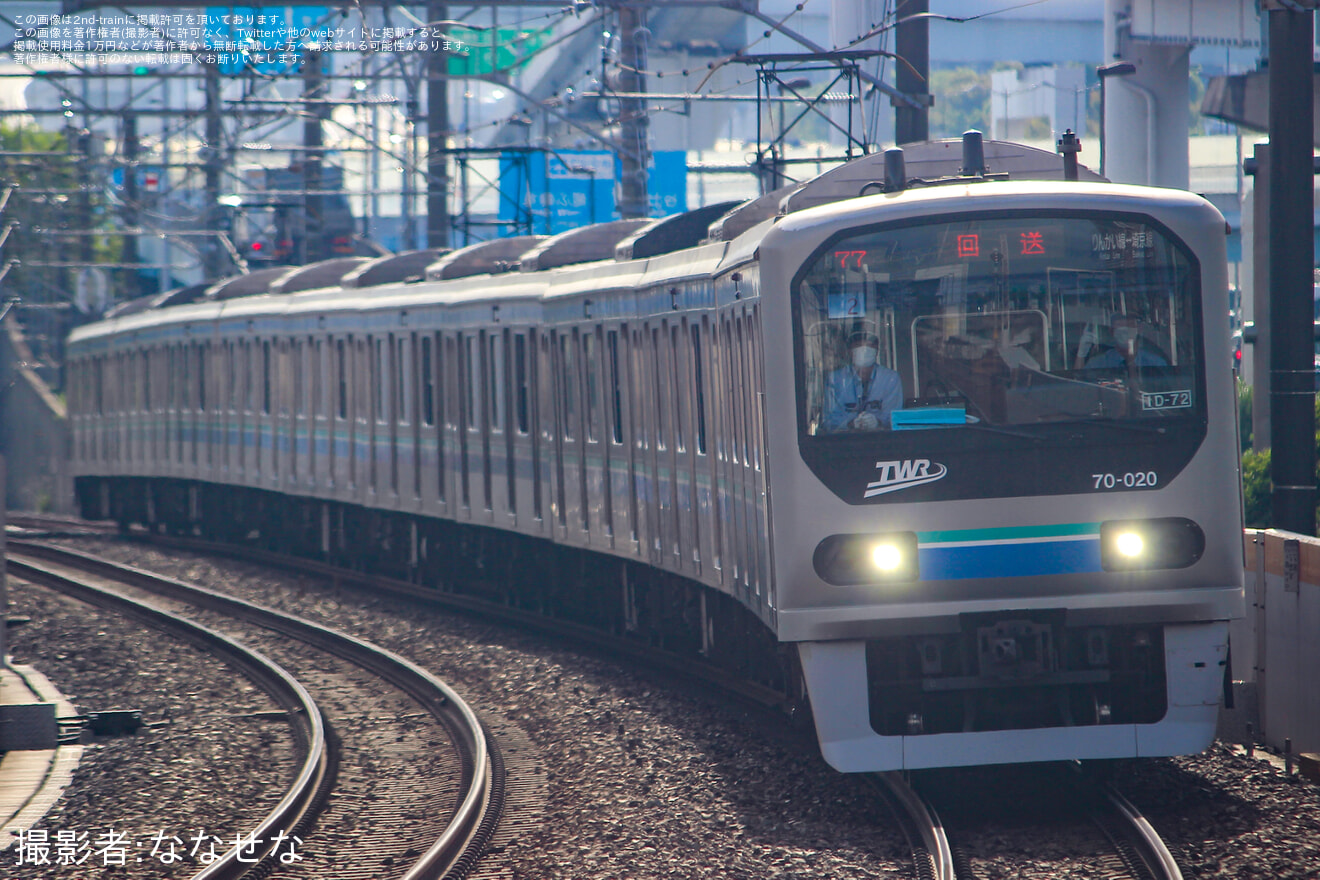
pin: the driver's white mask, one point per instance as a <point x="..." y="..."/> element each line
<point x="863" y="357"/>
<point x="1125" y="336"/>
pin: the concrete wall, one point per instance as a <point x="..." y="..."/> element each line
<point x="34" y="431"/>
<point x="1276" y="647"/>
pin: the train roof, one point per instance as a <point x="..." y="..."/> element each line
<point x="483" y="258"/>
<point x="393" y="268"/>
<point x="735" y="227"/>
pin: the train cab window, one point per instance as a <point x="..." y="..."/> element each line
<point x="428" y="384"/>
<point x="998" y="321"/>
<point x="1004" y="331"/>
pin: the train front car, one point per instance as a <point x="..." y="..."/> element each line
<point x="1005" y="490"/>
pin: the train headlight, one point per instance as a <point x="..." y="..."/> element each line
<point x="1129" y="545"/>
<point x="850" y="560"/>
<point x="1139" y="545"/>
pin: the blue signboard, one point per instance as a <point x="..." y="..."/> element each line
<point x="548" y="193"/>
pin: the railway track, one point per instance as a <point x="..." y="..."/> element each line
<point x="1136" y="850"/>
<point x="474" y="804"/>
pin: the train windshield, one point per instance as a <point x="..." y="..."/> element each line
<point x="1007" y="321"/>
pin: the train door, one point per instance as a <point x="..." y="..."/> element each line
<point x="229" y="403"/>
<point x="595" y="449"/>
<point x="314" y="374"/>
<point x="465" y="359"/>
<point x="338" y="421"/>
<point x="392" y="377"/>
<point x="362" y="462"/>
<point x="702" y="466"/>
<point x="666" y="448"/>
<point x="479" y="434"/>
<point x="515" y="421"/>
<point x="642" y="408"/>
<point x="578" y="514"/>
<point x="417" y="382"/>
<point x="684" y="459"/>
<point x="552" y="435"/>
<point x="525" y="458"/>
<point x="429" y="471"/>
<point x="495" y="436"/>
<point x="286" y="387"/>
<point x="622" y="501"/>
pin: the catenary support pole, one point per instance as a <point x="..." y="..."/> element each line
<point x="1291" y="232"/>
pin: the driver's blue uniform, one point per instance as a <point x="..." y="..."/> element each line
<point x="845" y="397"/>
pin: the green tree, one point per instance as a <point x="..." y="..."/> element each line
<point x="1257" y="487"/>
<point x="962" y="101"/>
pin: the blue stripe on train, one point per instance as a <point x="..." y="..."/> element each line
<point x="1009" y="560"/>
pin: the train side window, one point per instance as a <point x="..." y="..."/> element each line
<point x="752" y="356"/>
<point x="731" y="395"/>
<point x="637" y="385"/>
<point x="379" y="378"/>
<point x="403" y="388"/>
<point x="183" y="389"/>
<point x="495" y="381"/>
<point x="616" y="385"/>
<point x="698" y="378"/>
<point x="568" y="385"/>
<point x="362" y="381"/>
<point x="592" y="391"/>
<point x="296" y="355"/>
<point x="522" y="386"/>
<point x="677" y="363"/>
<point x="146" y="380"/>
<point x="315" y="388"/>
<point x="471" y="378"/>
<point x="428" y="384"/>
<point x="341" y="374"/>
<point x="265" y="377"/>
<point x="203" y="351"/>
<point x="657" y="352"/>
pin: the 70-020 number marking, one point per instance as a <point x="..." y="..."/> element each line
<point x="1138" y="480"/>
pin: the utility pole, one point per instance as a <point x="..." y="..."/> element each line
<point x="1292" y="197"/>
<point x="311" y="247"/>
<point x="634" y="124"/>
<point x="912" y="72"/>
<point x="216" y="219"/>
<point x="437" y="134"/>
<point x="129" y="251"/>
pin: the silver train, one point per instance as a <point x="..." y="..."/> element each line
<point x="950" y="455"/>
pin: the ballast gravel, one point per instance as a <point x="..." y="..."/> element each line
<point x="642" y="777"/>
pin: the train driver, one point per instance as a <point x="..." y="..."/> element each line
<point x="861" y="394"/>
<point x="1130" y="350"/>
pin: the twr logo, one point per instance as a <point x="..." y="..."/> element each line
<point x="895" y="475"/>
